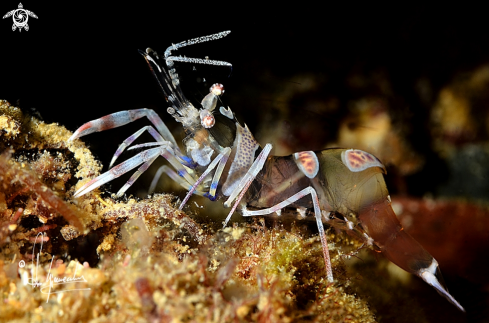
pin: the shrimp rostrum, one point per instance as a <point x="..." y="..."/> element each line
<point x="344" y="188"/>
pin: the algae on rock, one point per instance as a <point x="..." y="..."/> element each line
<point x="144" y="260"/>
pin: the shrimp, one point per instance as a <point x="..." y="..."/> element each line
<point x="345" y="188"/>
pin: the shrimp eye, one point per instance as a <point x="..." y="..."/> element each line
<point x="217" y="89"/>
<point x="207" y="119"/>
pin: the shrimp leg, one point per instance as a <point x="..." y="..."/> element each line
<point x="317" y="214"/>
<point x="245" y="182"/>
<point x="121" y="118"/>
<point x="143" y="157"/>
<point x="225" y="153"/>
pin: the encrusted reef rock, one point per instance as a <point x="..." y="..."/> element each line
<point x="103" y="260"/>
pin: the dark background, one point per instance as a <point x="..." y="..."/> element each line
<point x="79" y="62"/>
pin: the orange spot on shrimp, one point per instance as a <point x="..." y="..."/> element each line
<point x="217" y="89"/>
<point x="359" y="160"/>
<point x="307" y="162"/>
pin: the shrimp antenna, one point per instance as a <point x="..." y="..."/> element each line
<point x="173" y="95"/>
<point x="197" y="40"/>
<point x="168" y="79"/>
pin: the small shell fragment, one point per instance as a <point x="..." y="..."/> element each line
<point x="69" y="232"/>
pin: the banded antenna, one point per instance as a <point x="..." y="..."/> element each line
<point x="168" y="80"/>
